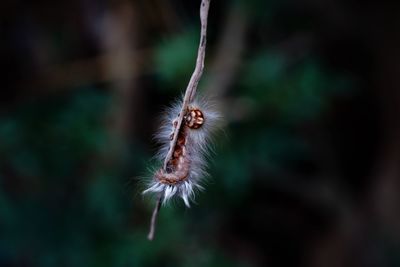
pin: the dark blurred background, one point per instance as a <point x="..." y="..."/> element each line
<point x="306" y="171"/>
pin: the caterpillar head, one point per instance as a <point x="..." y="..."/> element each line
<point x="194" y="118"/>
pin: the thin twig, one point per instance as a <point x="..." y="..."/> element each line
<point x="194" y="80"/>
<point x="188" y="98"/>
<point x="152" y="230"/>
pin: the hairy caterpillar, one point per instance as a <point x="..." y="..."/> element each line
<point x="183" y="172"/>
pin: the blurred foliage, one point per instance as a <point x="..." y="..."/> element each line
<point x="294" y="91"/>
<point x="175" y="59"/>
<point x="70" y="192"/>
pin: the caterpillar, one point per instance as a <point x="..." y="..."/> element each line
<point x="182" y="174"/>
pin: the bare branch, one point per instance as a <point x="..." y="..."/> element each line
<point x="194" y="80"/>
<point x="152" y="230"/>
<point x="188" y="98"/>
